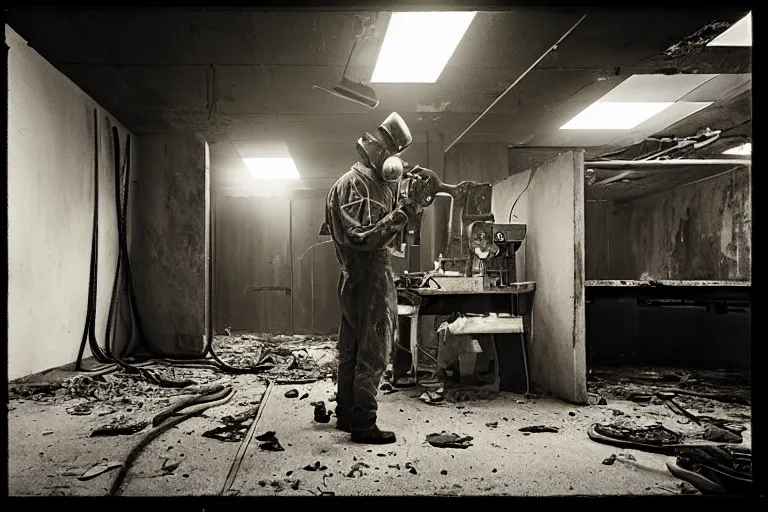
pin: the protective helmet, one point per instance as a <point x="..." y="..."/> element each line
<point x="391" y="138"/>
<point x="395" y="133"/>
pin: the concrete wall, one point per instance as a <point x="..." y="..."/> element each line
<point x="701" y="231"/>
<point x="551" y="203"/>
<point x="51" y="151"/>
<point x="169" y="248"/>
<point x="698" y="231"/>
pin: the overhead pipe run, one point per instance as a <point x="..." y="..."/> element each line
<point x="620" y="165"/>
<point x="512" y="86"/>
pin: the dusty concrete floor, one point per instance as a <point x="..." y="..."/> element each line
<point x="50" y="448"/>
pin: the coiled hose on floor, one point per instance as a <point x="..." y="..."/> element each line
<point x="123" y="292"/>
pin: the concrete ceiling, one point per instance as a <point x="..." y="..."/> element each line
<point x="239" y="77"/>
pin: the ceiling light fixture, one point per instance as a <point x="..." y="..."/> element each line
<point x="606" y="115"/>
<point x="739" y="34"/>
<point x="418" y="45"/>
<point x="272" y="168"/>
<point x="743" y="150"/>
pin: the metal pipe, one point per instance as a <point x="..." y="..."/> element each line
<point x="506" y="91"/>
<point x="646" y="164"/>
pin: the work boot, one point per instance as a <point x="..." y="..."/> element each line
<point x="372" y="435"/>
<point x="343" y="425"/>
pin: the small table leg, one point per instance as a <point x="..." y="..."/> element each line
<point x="414" y="319"/>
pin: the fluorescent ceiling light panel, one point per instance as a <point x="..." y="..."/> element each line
<point x="272" y="168"/>
<point x="418" y="45"/>
<point x="656" y="88"/>
<point x="605" y="115"/>
<point x="743" y="150"/>
<point x="739" y="34"/>
<point x="635" y="101"/>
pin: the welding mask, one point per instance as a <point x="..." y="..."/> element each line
<point x="380" y="151"/>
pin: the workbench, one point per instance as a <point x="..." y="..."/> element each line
<point x="515" y="299"/>
<point x="669" y="289"/>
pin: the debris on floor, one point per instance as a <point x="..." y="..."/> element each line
<point x="234" y="419"/>
<point x="610" y="460"/>
<point x="269" y="442"/>
<point x="539" y="429"/>
<point x="120" y="426"/>
<point x="80" y="410"/>
<point x="315" y="467"/>
<point x="713" y="469"/>
<point x="721" y="435"/>
<point x="169" y="466"/>
<point x="432" y="397"/>
<point x="292" y="393"/>
<point x="357" y="470"/>
<point x="459" y="395"/>
<point x="231" y="433"/>
<point x="444" y="440"/>
<point x="98" y="469"/>
<point x="726" y="387"/>
<point x="321" y="413"/>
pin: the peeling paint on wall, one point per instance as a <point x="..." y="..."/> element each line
<point x="698" y="231"/>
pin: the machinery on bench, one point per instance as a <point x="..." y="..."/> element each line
<point x="475" y="274"/>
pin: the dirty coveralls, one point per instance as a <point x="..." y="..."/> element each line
<point x="363" y="219"/>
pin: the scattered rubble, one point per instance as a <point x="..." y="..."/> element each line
<point x="315" y="467"/>
<point x="539" y="429"/>
<point x="444" y="440"/>
<point x="98" y="469"/>
<point x="269" y="442"/>
<point x="292" y="393"/>
<point x="321" y="414"/>
<point x="231" y="433"/>
<point x="432" y="397"/>
<point x="610" y="460"/>
<point x="120" y="426"/>
<point x="624" y="383"/>
<point x="721" y="435"/>
<point x="80" y="410"/>
<point x="357" y="470"/>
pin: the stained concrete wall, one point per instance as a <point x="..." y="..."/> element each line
<point x="51" y="150"/>
<point x="169" y="247"/>
<point x="701" y="231"/>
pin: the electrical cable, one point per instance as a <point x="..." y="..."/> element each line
<point x="124" y="276"/>
<point x="530" y="178"/>
<point x="206" y="401"/>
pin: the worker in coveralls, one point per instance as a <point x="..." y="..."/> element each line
<point x="364" y="215"/>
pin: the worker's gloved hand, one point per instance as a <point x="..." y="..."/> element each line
<point x="410" y="207"/>
<point x="422" y="186"/>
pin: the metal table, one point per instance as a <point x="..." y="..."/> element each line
<point x="515" y="299"/>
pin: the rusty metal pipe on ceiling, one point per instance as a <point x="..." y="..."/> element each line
<point x="519" y="79"/>
<point x="621" y="165"/>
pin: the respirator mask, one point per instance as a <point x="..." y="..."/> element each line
<point x="392" y="169"/>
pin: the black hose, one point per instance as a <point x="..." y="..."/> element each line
<point x="89" y="332"/>
<point x="123" y="282"/>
